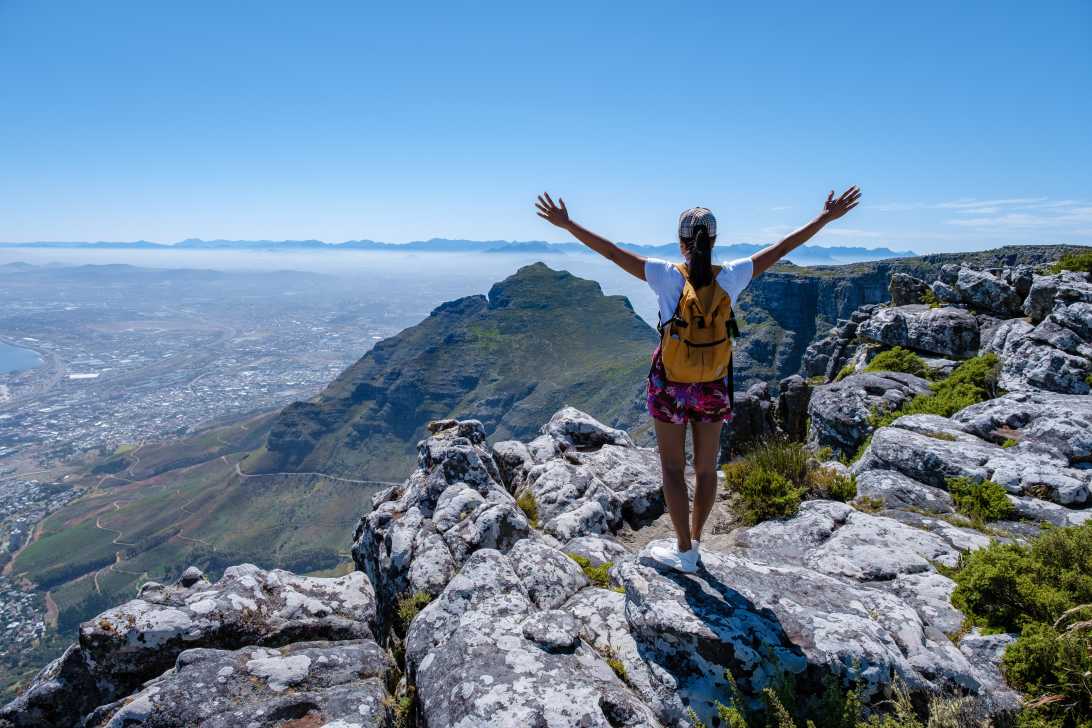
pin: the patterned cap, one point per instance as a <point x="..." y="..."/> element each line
<point x="690" y="219"/>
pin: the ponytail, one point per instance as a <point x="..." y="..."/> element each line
<point x="700" y="266"/>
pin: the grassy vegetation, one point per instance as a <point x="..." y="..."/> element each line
<point x="980" y="501"/>
<point x="930" y="299"/>
<point x="408" y="608"/>
<point x="1079" y="262"/>
<point x="869" y="504"/>
<point x="973" y="381"/>
<point x="844" y="372"/>
<point x="1042" y="591"/>
<point x="898" y="359"/>
<point x="529" y="506"/>
<point x="775" y="475"/>
<point x="783" y="706"/>
<point x="597" y="575"/>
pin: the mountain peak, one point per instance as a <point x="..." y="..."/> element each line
<point x="539" y="286"/>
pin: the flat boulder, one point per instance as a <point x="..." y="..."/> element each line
<point x="307" y="683"/>
<point x="947" y="331"/>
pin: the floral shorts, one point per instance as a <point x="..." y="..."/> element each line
<point x="679" y="403"/>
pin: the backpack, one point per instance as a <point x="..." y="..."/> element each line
<point x="695" y="343"/>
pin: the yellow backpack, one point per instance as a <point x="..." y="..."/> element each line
<point x="696" y="342"/>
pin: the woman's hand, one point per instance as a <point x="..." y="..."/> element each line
<point x="834" y="209"/>
<point x="627" y="260"/>
<point x="552" y="213"/>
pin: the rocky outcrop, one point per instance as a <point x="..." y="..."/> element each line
<point x="124" y="647"/>
<point x="945" y="331"/>
<point x="906" y="289"/>
<point x="841" y="413"/>
<point x="516" y="632"/>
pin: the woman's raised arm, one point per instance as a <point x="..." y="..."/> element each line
<point x="558" y="215"/>
<point x="832" y="210"/>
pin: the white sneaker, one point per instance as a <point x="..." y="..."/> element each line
<point x="695" y="546"/>
<point x="669" y="555"/>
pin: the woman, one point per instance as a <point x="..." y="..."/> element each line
<point x="675" y="403"/>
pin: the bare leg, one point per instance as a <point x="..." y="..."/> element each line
<point x="706" y="448"/>
<point x="671" y="440"/>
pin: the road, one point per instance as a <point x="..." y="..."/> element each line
<point x="241" y="474"/>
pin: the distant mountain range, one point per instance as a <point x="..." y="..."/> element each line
<point x="805" y="255"/>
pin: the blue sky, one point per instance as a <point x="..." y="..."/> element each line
<point x="966" y="124"/>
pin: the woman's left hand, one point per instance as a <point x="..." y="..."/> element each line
<point x="834" y="209"/>
<point x="553" y="214"/>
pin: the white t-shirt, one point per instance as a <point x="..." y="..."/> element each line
<point x="667" y="282"/>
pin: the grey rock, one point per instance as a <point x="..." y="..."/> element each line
<point x="549" y="576"/>
<point x="473" y="664"/>
<point x="752" y="416"/>
<point x="129" y="644"/>
<point x="597" y="550"/>
<point x="1047" y="291"/>
<point x="987" y="293"/>
<point x="791" y="411"/>
<point x="985" y="653"/>
<point x="906" y="289"/>
<point x="947" y="331"/>
<point x="908" y="448"/>
<point x="191" y="576"/>
<point x="553" y="630"/>
<point x="841" y="412"/>
<point x="1054" y="425"/>
<point x="572" y="428"/>
<point x="945" y="292"/>
<point x="898" y="491"/>
<point x="733" y="615"/>
<point x="328" y="683"/>
<point x="513" y="460"/>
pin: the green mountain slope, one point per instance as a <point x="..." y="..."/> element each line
<point x="542" y="339"/>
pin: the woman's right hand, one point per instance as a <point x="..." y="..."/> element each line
<point x="553" y="214"/>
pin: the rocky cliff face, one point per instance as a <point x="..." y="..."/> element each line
<point x="783" y="311"/>
<point x="542" y="338"/>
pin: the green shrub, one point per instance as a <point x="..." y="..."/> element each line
<point x="929" y="298"/>
<point x="869" y="504"/>
<point x="597" y="575"/>
<point x="1009" y="442"/>
<point x="1053" y="670"/>
<point x="1028" y="589"/>
<point x="824" y="454"/>
<point x="1078" y="262"/>
<point x="898" y="359"/>
<point x="619" y="668"/>
<point x="844" y="372"/>
<point x="980" y="501"/>
<point x="529" y="506"/>
<point x="784" y="457"/>
<point x="765" y="494"/>
<point x="826" y="483"/>
<point x="408" y="608"/>
<point x="973" y="381"/>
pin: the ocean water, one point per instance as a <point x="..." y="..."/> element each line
<point x="16" y="359"/>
